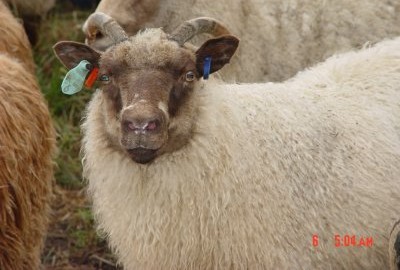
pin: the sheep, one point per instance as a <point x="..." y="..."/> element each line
<point x="279" y="38"/>
<point x="186" y="173"/>
<point x="31" y="13"/>
<point x="27" y="144"/>
<point x="394" y="247"/>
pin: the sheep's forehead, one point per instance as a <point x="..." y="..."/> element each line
<point x="150" y="48"/>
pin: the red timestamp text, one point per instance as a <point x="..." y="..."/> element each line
<point x="353" y="241"/>
<point x="346" y="240"/>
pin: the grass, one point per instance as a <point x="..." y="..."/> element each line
<point x="72" y="242"/>
<point x="66" y="110"/>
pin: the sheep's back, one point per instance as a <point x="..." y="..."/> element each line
<point x="27" y="142"/>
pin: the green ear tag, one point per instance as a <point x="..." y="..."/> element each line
<point x="75" y="78"/>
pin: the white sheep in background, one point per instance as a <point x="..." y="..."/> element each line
<point x="193" y="174"/>
<point x="278" y="38"/>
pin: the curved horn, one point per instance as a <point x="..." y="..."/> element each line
<point x="99" y="21"/>
<point x="189" y="29"/>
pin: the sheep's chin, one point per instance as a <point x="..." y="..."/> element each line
<point x="142" y="155"/>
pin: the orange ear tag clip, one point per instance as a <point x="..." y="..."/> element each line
<point x="92" y="77"/>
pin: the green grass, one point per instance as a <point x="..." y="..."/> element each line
<point x="66" y="111"/>
<point x="82" y="235"/>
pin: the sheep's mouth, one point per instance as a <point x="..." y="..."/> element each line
<point x="142" y="155"/>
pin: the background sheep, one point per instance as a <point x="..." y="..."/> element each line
<point x="278" y="38"/>
<point x="31" y="12"/>
<point x="37" y="7"/>
<point x="394" y="247"/>
<point x="26" y="144"/>
<point x="193" y="174"/>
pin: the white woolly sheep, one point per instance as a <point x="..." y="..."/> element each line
<point x="278" y="38"/>
<point x="193" y="174"/>
<point x="394" y="247"/>
<point x="27" y="142"/>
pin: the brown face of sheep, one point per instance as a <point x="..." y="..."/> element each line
<point x="146" y="81"/>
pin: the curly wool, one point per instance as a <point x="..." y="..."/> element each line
<point x="267" y="167"/>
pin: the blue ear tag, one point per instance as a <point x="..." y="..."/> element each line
<point x="75" y="78"/>
<point x="206" y="68"/>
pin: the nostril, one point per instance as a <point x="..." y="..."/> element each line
<point x="128" y="125"/>
<point x="99" y="35"/>
<point x="152" y="125"/>
<point x="132" y="126"/>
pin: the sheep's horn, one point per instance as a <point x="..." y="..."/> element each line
<point x="189" y="29"/>
<point x="99" y="21"/>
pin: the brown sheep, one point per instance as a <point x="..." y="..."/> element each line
<point x="27" y="142"/>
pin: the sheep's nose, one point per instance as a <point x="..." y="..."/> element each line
<point x="142" y="125"/>
<point x="142" y="119"/>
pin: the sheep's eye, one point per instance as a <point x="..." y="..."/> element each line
<point x="190" y="76"/>
<point x="104" y="78"/>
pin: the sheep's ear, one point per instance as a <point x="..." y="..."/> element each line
<point x="72" y="53"/>
<point x="220" y="50"/>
